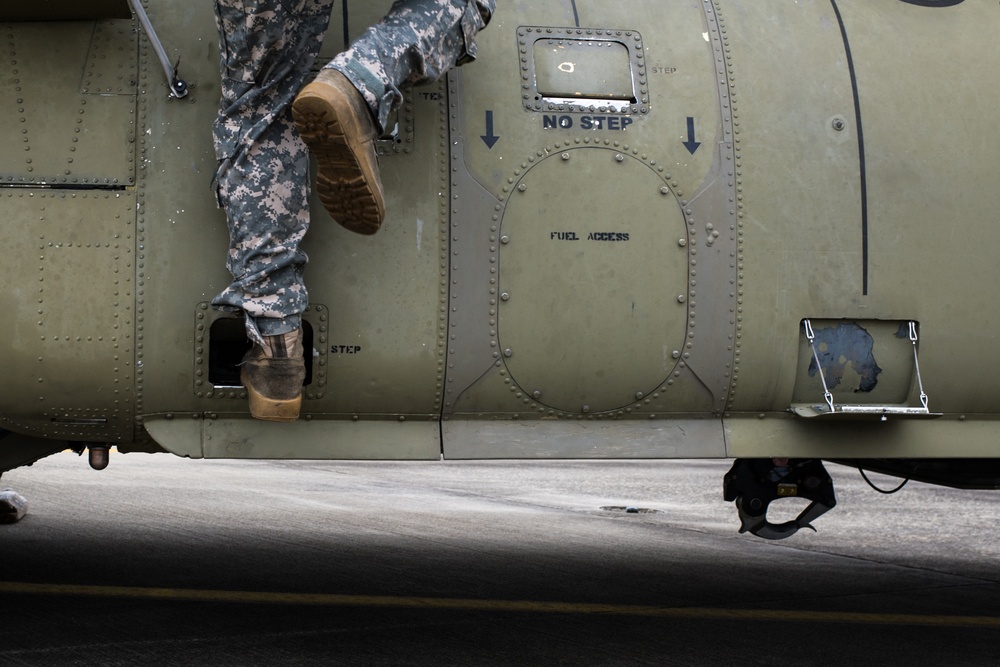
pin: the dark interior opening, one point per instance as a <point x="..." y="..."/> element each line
<point x="228" y="343"/>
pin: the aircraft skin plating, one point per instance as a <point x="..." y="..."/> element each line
<point x="703" y="228"/>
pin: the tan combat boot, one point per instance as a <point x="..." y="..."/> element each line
<point x="273" y="376"/>
<point x="337" y="126"/>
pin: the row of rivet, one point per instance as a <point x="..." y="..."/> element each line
<point x="448" y="315"/>
<point x="140" y="275"/>
<point x="140" y="178"/>
<point x="494" y="267"/>
<point x="447" y="251"/>
<point x="319" y="367"/>
<point x="727" y="93"/>
<point x="202" y="387"/>
<point x="404" y="122"/>
<point x="140" y="434"/>
<point x="443" y="234"/>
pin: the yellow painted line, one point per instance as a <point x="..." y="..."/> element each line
<point x="525" y="606"/>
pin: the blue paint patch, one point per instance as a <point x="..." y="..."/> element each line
<point x="843" y="345"/>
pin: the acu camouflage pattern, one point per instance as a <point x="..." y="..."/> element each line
<point x="416" y="43"/>
<point x="267" y="49"/>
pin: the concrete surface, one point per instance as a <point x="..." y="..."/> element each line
<point x="164" y="561"/>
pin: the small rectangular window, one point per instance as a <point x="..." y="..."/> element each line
<point x="582" y="70"/>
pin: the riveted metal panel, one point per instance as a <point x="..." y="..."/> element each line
<point x="930" y="161"/>
<point x="798" y="199"/>
<point x="180" y="233"/>
<point x="69" y="372"/>
<point x="592" y="288"/>
<point x="377" y="309"/>
<point x="750" y="117"/>
<point x="111" y="61"/>
<point x="72" y="85"/>
<point x="864" y="151"/>
<point x="673" y="190"/>
<point x="387" y="294"/>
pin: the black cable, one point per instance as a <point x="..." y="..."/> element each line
<point x="865" y="477"/>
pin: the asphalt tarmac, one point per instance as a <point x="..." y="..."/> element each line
<point x="164" y="561"/>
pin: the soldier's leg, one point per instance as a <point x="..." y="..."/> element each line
<point x="265" y="193"/>
<point x="267" y="48"/>
<point x="341" y="113"/>
<point x="417" y="42"/>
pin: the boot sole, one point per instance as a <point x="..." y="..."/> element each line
<point x="273" y="410"/>
<point x="346" y="184"/>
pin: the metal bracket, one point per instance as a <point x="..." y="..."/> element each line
<point x="754" y="483"/>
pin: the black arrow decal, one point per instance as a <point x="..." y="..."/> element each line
<point x="691" y="144"/>
<point x="489" y="138"/>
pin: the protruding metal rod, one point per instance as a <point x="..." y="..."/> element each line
<point x="99" y="456"/>
<point x="177" y="86"/>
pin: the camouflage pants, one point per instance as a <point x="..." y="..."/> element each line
<point x="267" y="49"/>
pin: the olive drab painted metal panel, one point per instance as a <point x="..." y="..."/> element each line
<point x="603" y="239"/>
<point x="882" y="184"/>
<point x="69" y="301"/>
<point x="376" y="302"/>
<point x="67" y="157"/>
<point x="600" y="283"/>
<point x="69" y="99"/>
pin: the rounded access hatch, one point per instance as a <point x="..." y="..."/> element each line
<point x="593" y="273"/>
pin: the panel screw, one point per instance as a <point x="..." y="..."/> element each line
<point x="522" y="187"/>
<point x="839" y="124"/>
<point x="508" y="352"/>
<point x="505" y="296"/>
<point x="504" y="239"/>
<point x="565" y="156"/>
